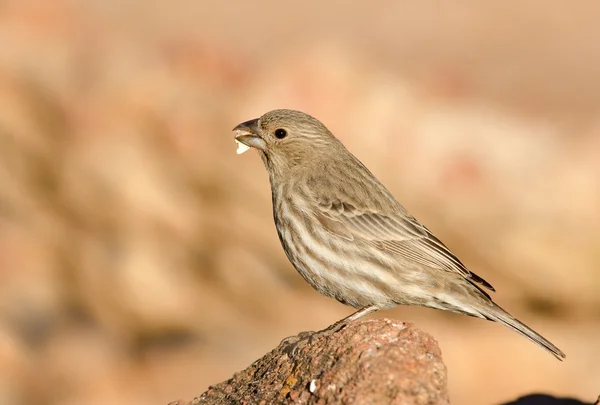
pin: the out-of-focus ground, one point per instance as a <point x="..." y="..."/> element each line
<point x="138" y="259"/>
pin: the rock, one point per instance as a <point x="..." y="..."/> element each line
<point x="367" y="362"/>
<point x="545" y="399"/>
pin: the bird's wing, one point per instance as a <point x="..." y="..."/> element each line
<point x="399" y="234"/>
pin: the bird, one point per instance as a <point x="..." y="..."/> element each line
<point x="349" y="237"/>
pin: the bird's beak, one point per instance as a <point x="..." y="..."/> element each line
<point x="247" y="134"/>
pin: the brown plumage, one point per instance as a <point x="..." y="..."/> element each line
<point x="348" y="236"/>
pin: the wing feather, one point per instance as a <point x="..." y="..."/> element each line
<point x="399" y="234"/>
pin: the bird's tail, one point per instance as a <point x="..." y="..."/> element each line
<point x="496" y="313"/>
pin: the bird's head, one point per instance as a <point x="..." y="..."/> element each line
<point x="286" y="139"/>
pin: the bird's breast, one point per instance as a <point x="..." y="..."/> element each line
<point x="331" y="264"/>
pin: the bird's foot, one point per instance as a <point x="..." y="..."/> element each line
<point x="296" y="343"/>
<point x="293" y="344"/>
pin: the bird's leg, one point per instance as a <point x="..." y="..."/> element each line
<point x="339" y="325"/>
<point x="293" y="342"/>
<point x="360" y="313"/>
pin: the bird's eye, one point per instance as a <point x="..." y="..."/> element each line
<point x="280" y="133"/>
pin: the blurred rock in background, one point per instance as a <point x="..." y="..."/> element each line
<point x="138" y="259"/>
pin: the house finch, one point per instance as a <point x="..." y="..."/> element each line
<point x="348" y="236"/>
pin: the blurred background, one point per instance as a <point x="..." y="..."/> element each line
<point x="138" y="258"/>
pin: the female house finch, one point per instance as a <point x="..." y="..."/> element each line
<point x="348" y="236"/>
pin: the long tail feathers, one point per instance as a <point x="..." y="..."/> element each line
<point x="499" y="315"/>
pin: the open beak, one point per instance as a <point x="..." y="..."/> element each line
<point x="247" y="134"/>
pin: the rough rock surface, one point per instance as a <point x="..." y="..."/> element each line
<point x="367" y="362"/>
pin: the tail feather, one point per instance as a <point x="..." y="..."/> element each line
<point x="496" y="313"/>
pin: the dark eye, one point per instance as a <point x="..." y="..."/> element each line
<point x="280" y="133"/>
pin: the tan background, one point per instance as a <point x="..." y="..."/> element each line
<point x="138" y="259"/>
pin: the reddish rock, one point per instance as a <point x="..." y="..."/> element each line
<point x="367" y="362"/>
